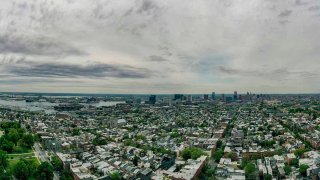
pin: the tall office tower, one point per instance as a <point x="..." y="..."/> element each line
<point x="222" y="97"/>
<point x="178" y="97"/>
<point x="206" y="96"/>
<point x="235" y="95"/>
<point x="189" y="98"/>
<point x="213" y="95"/>
<point x="152" y="99"/>
<point x="167" y="100"/>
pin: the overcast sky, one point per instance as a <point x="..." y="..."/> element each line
<point x="163" y="46"/>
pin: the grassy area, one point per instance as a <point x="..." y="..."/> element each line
<point x="21" y="150"/>
<point x="21" y="156"/>
<point x="14" y="159"/>
<point x="13" y="162"/>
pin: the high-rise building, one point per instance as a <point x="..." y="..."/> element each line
<point x="152" y="99"/>
<point x="178" y="97"/>
<point x="213" y="95"/>
<point x="222" y="97"/>
<point x="235" y="95"/>
<point x="189" y="98"/>
<point x="206" y="96"/>
<point x="167" y="100"/>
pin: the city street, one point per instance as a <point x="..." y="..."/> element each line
<point x="42" y="156"/>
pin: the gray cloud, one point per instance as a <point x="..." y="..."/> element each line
<point x="32" y="69"/>
<point x="188" y="39"/>
<point x="279" y="73"/>
<point x="34" y="80"/>
<point x="285" y="13"/>
<point x="284" y="22"/>
<point x="148" y="6"/>
<point x="301" y="2"/>
<point x="314" y="8"/>
<point x="157" y="58"/>
<point x="36" y="46"/>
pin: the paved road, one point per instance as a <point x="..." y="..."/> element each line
<point x="43" y="157"/>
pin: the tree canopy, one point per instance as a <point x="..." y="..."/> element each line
<point x="56" y="163"/>
<point x="217" y="155"/>
<point x="3" y="160"/>
<point x="115" y="176"/>
<point x="192" y="153"/>
<point x="303" y="169"/>
<point x="44" y="171"/>
<point x="250" y="169"/>
<point x="23" y="169"/>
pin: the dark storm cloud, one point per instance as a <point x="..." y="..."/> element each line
<point x="285" y="13"/>
<point x="31" y="69"/>
<point x="36" y="46"/>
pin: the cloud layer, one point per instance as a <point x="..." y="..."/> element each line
<point x="169" y="46"/>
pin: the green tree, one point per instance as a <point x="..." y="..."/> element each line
<point x="219" y="144"/>
<point x="217" y="155"/>
<point x="267" y="177"/>
<point x="186" y="154"/>
<point x="66" y="175"/>
<point x="28" y="140"/>
<point x="6" y="145"/>
<point x="299" y="152"/>
<point x="56" y="163"/>
<point x="115" y="176"/>
<point x="232" y="156"/>
<point x="13" y="135"/>
<point x="99" y="141"/>
<point x="135" y="160"/>
<point x="303" y="169"/>
<point x="287" y="169"/>
<point x="75" y="132"/>
<point x="249" y="169"/>
<point x="5" y="175"/>
<point x="244" y="162"/>
<point x="44" y="171"/>
<point x="294" y="162"/>
<point x="192" y="153"/>
<point x="3" y="160"/>
<point x="22" y="170"/>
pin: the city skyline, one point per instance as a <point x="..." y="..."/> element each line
<point x="160" y="47"/>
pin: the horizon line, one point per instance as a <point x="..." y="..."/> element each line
<point x="92" y="93"/>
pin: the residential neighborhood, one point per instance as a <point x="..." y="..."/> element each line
<point x="175" y="137"/>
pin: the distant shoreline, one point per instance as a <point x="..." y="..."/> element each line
<point x="124" y="94"/>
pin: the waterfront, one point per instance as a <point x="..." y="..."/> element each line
<point x="45" y="106"/>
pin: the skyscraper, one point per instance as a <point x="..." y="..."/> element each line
<point x="189" y="98"/>
<point x="235" y="95"/>
<point x="152" y="99"/>
<point x="213" y="95"/>
<point x="178" y="97"/>
<point x="206" y="96"/>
